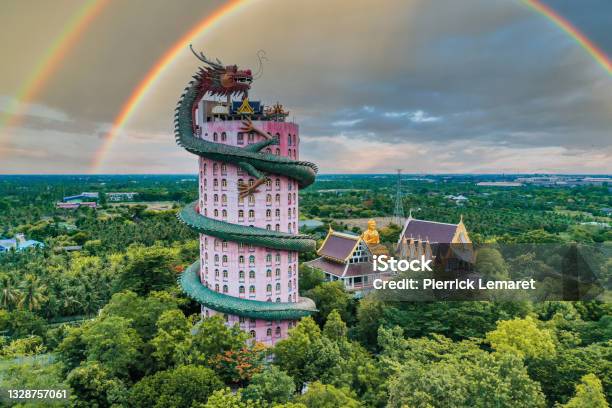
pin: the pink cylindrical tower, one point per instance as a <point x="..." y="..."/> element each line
<point x="242" y="270"/>
<point x="247" y="212"/>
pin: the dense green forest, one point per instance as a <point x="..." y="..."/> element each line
<point x="108" y="323"/>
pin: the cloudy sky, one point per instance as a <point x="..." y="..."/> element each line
<point x="430" y="86"/>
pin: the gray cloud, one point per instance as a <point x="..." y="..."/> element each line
<point x="493" y="85"/>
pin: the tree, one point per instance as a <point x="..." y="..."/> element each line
<point x="472" y="377"/>
<point x="271" y="385"/>
<point x="114" y="343"/>
<point x="589" y="393"/>
<point x="177" y="388"/>
<point x="335" y="329"/>
<point x="93" y="385"/>
<point x="309" y="278"/>
<point x="327" y="396"/>
<point x="25" y="323"/>
<point x="172" y="332"/>
<point x="522" y="337"/>
<point x="306" y="355"/>
<point x="213" y="337"/>
<point x="148" y="269"/>
<point x="142" y="311"/>
<point x="491" y="264"/>
<point x="9" y="293"/>
<point x="329" y="296"/>
<point x="32" y="293"/>
<point x="225" y="398"/>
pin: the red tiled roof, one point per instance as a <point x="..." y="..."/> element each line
<point x="334" y="268"/>
<point x="434" y="232"/>
<point x="338" y="246"/>
<point x="359" y="269"/>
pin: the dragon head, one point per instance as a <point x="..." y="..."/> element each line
<point x="217" y="79"/>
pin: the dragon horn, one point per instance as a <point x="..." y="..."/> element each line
<point x="203" y="58"/>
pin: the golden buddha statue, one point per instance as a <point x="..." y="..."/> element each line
<point x="370" y="236"/>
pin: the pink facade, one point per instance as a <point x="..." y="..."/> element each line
<point x="239" y="270"/>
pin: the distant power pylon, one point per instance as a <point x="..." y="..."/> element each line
<point x="398" y="213"/>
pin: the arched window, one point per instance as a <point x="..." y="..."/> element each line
<point x="288" y="226"/>
<point x="252" y="289"/>
<point x="278" y="258"/>
<point x="268" y="258"/>
<point x="224" y="200"/>
<point x="241" y="259"/>
<point x="290" y="271"/>
<point x="241" y="289"/>
<point x="269" y="288"/>
<point x="278" y="331"/>
<point x="216" y="273"/>
<point x="277" y="300"/>
<point x="277" y="183"/>
<point x="224" y="259"/>
<point x="252" y="332"/>
<point x="278" y="287"/>
<point x="276" y="227"/>
<point x="223" y="136"/>
<point x="277" y="198"/>
<point x="269" y="199"/>
<point x="225" y="273"/>
<point x="269" y="274"/>
<point x="251" y="214"/>
<point x="241" y="275"/>
<point x="277" y="213"/>
<point x="289" y="285"/>
<point x="223" y="183"/>
<point x="251" y="200"/>
<point x="268" y="184"/>
<point x="223" y="169"/>
<point x="268" y="213"/>
<point x="215" y="168"/>
<point x="216" y="212"/>
<point x="269" y="332"/>
<point x="289" y="212"/>
<point x="224" y="214"/>
<point x="268" y="227"/>
<point x="252" y="274"/>
<point x="289" y="199"/>
<point x="252" y="260"/>
<point x="277" y="151"/>
<point x="225" y="290"/>
<point x="216" y="259"/>
<point x="277" y="272"/>
<point x="215" y="136"/>
<point x="240" y="213"/>
<point x="216" y="287"/>
<point x="216" y="198"/>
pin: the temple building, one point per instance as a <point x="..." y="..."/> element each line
<point x="348" y="258"/>
<point x="448" y="245"/>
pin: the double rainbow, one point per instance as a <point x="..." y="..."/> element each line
<point x="92" y="8"/>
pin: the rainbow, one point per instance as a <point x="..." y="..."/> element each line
<point x="573" y="32"/>
<point x="48" y="64"/>
<point x="154" y="73"/>
<point x="139" y="92"/>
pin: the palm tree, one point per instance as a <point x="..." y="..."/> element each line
<point x="33" y="293"/>
<point x="9" y="294"/>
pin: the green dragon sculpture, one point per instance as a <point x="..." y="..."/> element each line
<point x="216" y="79"/>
